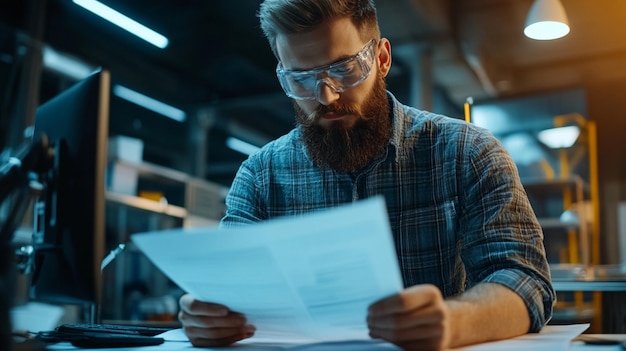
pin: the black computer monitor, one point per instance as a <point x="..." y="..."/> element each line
<point x="69" y="234"/>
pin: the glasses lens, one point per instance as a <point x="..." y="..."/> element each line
<point x="340" y="76"/>
<point x="348" y="73"/>
<point x="299" y="84"/>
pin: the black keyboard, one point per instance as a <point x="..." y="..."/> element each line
<point x="104" y="340"/>
<point x="111" y="329"/>
<point x="104" y="335"/>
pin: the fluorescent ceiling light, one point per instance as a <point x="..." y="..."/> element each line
<point x="241" y="146"/>
<point x="64" y="64"/>
<point x="562" y="137"/>
<point x="149" y="103"/>
<point x="124" y="22"/>
<point x="546" y="20"/>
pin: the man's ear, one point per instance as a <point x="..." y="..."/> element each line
<point x="384" y="56"/>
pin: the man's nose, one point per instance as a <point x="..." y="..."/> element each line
<point x="325" y="94"/>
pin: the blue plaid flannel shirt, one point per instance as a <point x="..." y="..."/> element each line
<point x="458" y="211"/>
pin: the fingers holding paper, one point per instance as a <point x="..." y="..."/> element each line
<point x="208" y="324"/>
<point x="414" y="319"/>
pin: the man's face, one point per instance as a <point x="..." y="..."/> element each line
<point x="348" y="148"/>
<point x="342" y="130"/>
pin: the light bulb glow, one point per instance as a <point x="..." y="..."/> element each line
<point x="546" y="30"/>
<point x="561" y="137"/>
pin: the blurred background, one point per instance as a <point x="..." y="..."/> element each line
<point x="468" y="59"/>
<point x="218" y="68"/>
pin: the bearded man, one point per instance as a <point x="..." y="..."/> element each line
<point x="469" y="246"/>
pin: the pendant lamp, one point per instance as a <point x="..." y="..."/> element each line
<point x="546" y="20"/>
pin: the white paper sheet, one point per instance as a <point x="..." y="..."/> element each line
<point x="35" y="317"/>
<point x="307" y="278"/>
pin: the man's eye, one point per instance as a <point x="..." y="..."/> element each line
<point x="302" y="79"/>
<point x="343" y="70"/>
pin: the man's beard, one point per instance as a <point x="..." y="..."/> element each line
<point x="348" y="149"/>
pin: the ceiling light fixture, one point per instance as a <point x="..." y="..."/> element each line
<point x="546" y="20"/>
<point x="560" y="137"/>
<point x="124" y="22"/>
<point x="241" y="146"/>
<point x="64" y="64"/>
<point x="149" y="103"/>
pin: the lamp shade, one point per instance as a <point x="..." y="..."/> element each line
<point x="546" y="20"/>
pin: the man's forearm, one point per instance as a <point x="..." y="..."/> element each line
<point x="488" y="311"/>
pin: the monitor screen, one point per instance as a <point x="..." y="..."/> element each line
<point x="69" y="237"/>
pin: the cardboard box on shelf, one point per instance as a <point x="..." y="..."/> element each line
<point x="122" y="179"/>
<point x="125" y="148"/>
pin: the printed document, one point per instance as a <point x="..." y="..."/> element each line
<point x="304" y="278"/>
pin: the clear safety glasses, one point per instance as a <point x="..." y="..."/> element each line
<point x="342" y="75"/>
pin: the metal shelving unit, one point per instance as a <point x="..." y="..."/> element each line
<point x="560" y="208"/>
<point x="134" y="289"/>
<point x="567" y="205"/>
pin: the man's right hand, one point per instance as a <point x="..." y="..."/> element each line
<point x="209" y="324"/>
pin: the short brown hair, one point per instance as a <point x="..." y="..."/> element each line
<point x="301" y="16"/>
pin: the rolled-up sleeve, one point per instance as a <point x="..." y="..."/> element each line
<point x="502" y="241"/>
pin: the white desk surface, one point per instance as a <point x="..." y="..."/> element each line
<point x="352" y="346"/>
<point x="565" y="333"/>
<point x="175" y="346"/>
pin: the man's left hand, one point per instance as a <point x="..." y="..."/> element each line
<point x="415" y="319"/>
